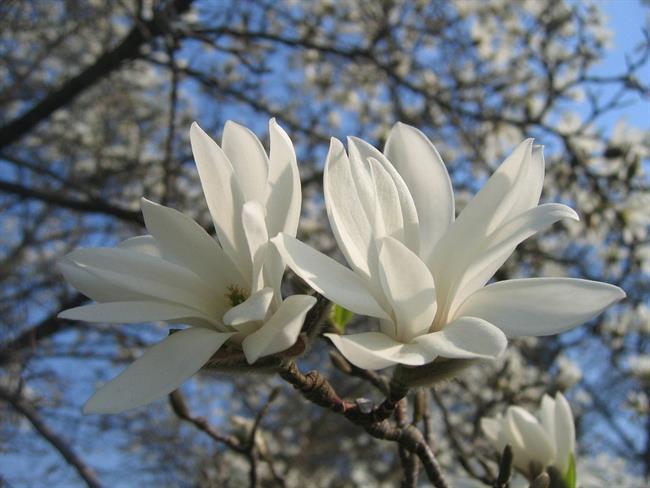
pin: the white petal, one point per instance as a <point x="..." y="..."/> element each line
<point x="345" y="209"/>
<point x="158" y="372"/>
<point x="248" y="159"/>
<point x="540" y="306"/>
<point x="327" y="277"/>
<point x="280" y="331"/>
<point x="421" y="167"/>
<point x="490" y="254"/>
<point x="409" y="287"/>
<point x="94" y="286"/>
<point x="223" y="195"/>
<point x="526" y="432"/>
<point x="547" y="415"/>
<point x="134" y="312"/>
<point x="374" y="350"/>
<point x="565" y="434"/>
<point x="140" y="274"/>
<point x="388" y="212"/>
<point x="257" y="238"/>
<point x="462" y="243"/>
<point x="186" y="243"/>
<point x="466" y="337"/>
<point x="255" y="308"/>
<point x="362" y="151"/>
<point x="145" y="244"/>
<point x="284" y="195"/>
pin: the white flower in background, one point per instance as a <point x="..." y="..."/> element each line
<point x="180" y="274"/>
<point x="422" y="271"/>
<point x="548" y="440"/>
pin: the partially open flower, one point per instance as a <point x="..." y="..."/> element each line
<point x="180" y="274"/>
<point x="536" y="443"/>
<point x="423" y="272"/>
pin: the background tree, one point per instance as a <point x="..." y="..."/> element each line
<point x="96" y="99"/>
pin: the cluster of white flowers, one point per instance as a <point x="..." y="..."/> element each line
<point x="419" y="269"/>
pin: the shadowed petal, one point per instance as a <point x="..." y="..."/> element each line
<point x="248" y="159"/>
<point x="255" y="308"/>
<point x="159" y="371"/>
<point x="280" y="331"/>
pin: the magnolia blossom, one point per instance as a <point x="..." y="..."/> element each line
<point x="180" y="274"/>
<point x="549" y="441"/>
<point x="420" y="270"/>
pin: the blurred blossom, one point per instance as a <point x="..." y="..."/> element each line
<point x="537" y="443"/>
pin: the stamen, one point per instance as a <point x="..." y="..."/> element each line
<point x="235" y="295"/>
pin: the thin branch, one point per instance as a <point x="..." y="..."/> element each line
<point x="25" y="409"/>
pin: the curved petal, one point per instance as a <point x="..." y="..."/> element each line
<point x="134" y="312"/>
<point x="283" y="197"/>
<point x="466" y="337"/>
<point x="409" y="287"/>
<point x="255" y="308"/>
<point x="257" y="238"/>
<point x="421" y="167"/>
<point x="280" y="331"/>
<point x="547" y="415"/>
<point x="565" y="433"/>
<point x="95" y="286"/>
<point x="490" y="254"/>
<point x="345" y="210"/>
<point x="374" y="350"/>
<point x="140" y="274"/>
<point x="387" y="219"/>
<point x="145" y="244"/>
<point x="529" y="436"/>
<point x="327" y="277"/>
<point x="248" y="159"/>
<point x="540" y="306"/>
<point x="186" y="243"/>
<point x="223" y="195"/>
<point x="159" y="371"/>
<point x="363" y="154"/>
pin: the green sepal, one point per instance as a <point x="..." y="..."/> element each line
<point x="570" y="477"/>
<point x="339" y="317"/>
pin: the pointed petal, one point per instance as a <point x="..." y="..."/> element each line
<point x="466" y="337"/>
<point x="159" y="371"/>
<point x="184" y="242"/>
<point x="327" y="277"/>
<point x="421" y="167"/>
<point x="547" y="415"/>
<point x="280" y="331"/>
<point x="140" y="274"/>
<point x="565" y="434"/>
<point x="540" y="306"/>
<point x="255" y="308"/>
<point x="462" y="243"/>
<point x="133" y="312"/>
<point x="374" y="350"/>
<point x="388" y="213"/>
<point x="284" y="197"/>
<point x="345" y="209"/>
<point x="223" y="195"/>
<point x="409" y="287"/>
<point x="490" y="254"/>
<point x="248" y="159"/>
<point x="257" y="238"/>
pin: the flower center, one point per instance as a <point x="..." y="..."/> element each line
<point x="235" y="295"/>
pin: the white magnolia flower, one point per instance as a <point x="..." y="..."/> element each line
<point x="422" y="271"/>
<point x="549" y="441"/>
<point x="180" y="274"/>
